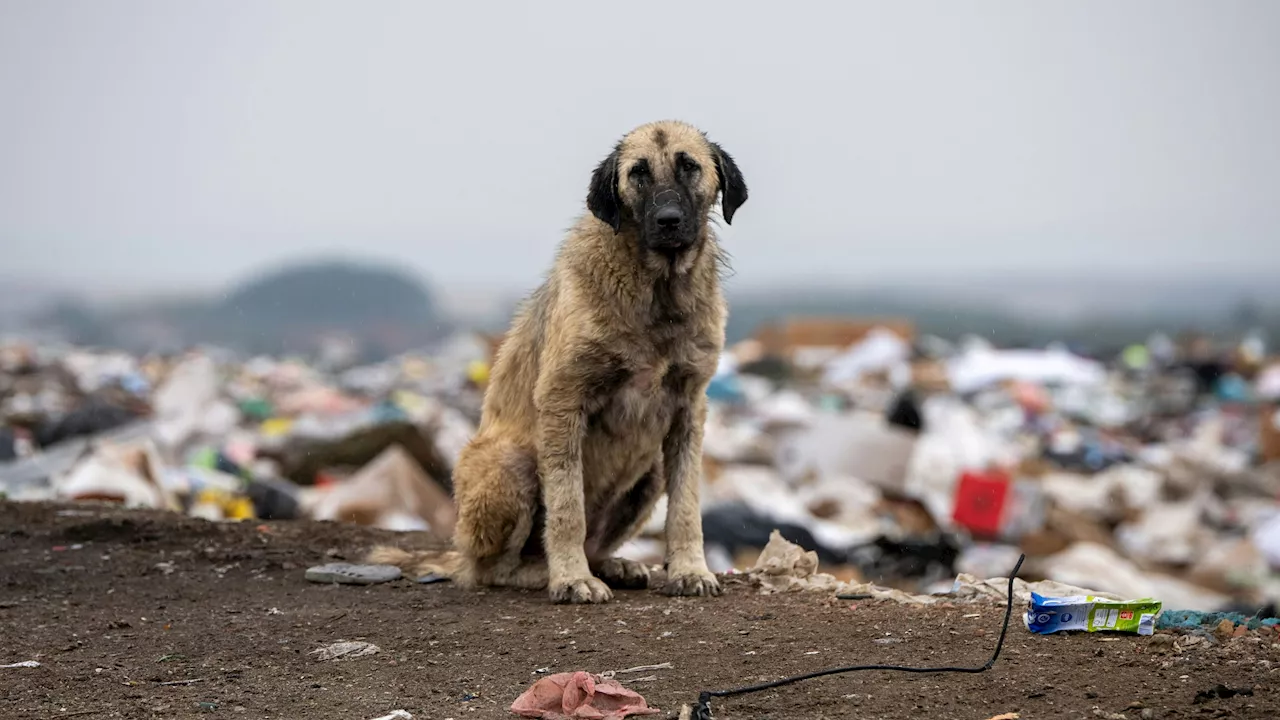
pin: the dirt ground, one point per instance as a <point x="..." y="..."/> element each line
<point x="154" y="615"/>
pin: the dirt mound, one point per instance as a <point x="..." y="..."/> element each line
<point x="155" y="615"/>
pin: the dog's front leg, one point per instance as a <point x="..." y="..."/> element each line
<point x="686" y="563"/>
<point x="560" y="465"/>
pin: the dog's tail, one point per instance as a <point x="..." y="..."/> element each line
<point x="445" y="563"/>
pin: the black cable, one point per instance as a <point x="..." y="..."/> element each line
<point x="702" y="711"/>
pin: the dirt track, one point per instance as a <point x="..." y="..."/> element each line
<point x="114" y="603"/>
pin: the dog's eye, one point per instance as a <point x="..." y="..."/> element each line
<point x="639" y="171"/>
<point x="688" y="165"/>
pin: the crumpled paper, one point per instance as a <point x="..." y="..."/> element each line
<point x="784" y="566"/>
<point x="580" y="695"/>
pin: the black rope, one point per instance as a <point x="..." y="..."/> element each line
<point x="702" y="711"/>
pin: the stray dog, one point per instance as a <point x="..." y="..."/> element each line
<point x="597" y="395"/>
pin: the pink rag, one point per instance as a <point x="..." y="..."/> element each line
<point x="580" y="695"/>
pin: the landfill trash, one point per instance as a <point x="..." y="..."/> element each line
<point x="273" y="499"/>
<point x="980" y="502"/>
<point x="966" y="589"/>
<point x="396" y="715"/>
<point x="580" y="695"/>
<point x="1047" y="615"/>
<point x="23" y="664"/>
<point x="734" y="526"/>
<point x="903" y="462"/>
<point x="1204" y="622"/>
<point x="180" y="403"/>
<point x="979" y="367"/>
<point x="125" y="473"/>
<point x="349" y="574"/>
<point x="1084" y="564"/>
<point x="880" y="350"/>
<point x="391" y="492"/>
<point x="94" y="417"/>
<point x="861" y="445"/>
<point x="784" y="566"/>
<point x="345" y="650"/>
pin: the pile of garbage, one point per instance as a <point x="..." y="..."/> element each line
<point x="899" y="462"/>
<point x="903" y="462"/>
<point x="214" y="437"/>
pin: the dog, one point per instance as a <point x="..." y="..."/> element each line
<point x="597" y="395"/>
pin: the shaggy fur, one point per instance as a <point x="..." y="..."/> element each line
<point x="597" y="396"/>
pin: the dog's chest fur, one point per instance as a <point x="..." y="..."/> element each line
<point x="627" y="427"/>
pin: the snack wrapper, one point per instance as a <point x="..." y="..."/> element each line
<point x="1046" y="615"/>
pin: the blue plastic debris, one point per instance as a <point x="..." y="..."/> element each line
<point x="1198" y="622"/>
<point x="725" y="389"/>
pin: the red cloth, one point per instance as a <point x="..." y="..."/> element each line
<point x="580" y="695"/>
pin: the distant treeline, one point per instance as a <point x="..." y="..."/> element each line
<point x="1100" y="334"/>
<point x="387" y="310"/>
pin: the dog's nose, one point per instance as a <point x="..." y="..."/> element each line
<point x="669" y="217"/>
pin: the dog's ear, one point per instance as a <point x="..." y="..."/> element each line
<point x="602" y="195"/>
<point x="733" y="188"/>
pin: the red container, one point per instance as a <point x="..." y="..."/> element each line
<point x="980" y="502"/>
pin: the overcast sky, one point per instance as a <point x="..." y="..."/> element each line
<point x="188" y="143"/>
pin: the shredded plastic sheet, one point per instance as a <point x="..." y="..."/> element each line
<point x="580" y="695"/>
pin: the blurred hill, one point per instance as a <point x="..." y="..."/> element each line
<point x="372" y="310"/>
<point x="364" y="310"/>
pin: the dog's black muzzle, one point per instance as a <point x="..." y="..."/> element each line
<point x="669" y="223"/>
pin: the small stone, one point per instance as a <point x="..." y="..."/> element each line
<point x="1225" y="629"/>
<point x="1160" y="644"/>
<point x="1148" y="714"/>
<point x="346" y="650"/>
<point x="1187" y="641"/>
<point x="348" y="574"/>
<point x="1240" y="631"/>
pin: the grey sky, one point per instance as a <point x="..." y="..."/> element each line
<point x="187" y="143"/>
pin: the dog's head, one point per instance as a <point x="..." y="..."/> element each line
<point x="663" y="179"/>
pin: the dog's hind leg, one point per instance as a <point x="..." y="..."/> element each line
<point x="496" y="486"/>
<point x="525" y="573"/>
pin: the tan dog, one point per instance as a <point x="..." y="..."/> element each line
<point x="597" y="396"/>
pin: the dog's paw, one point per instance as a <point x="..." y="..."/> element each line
<point x="623" y="574"/>
<point x="580" y="591"/>
<point x="698" y="583"/>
